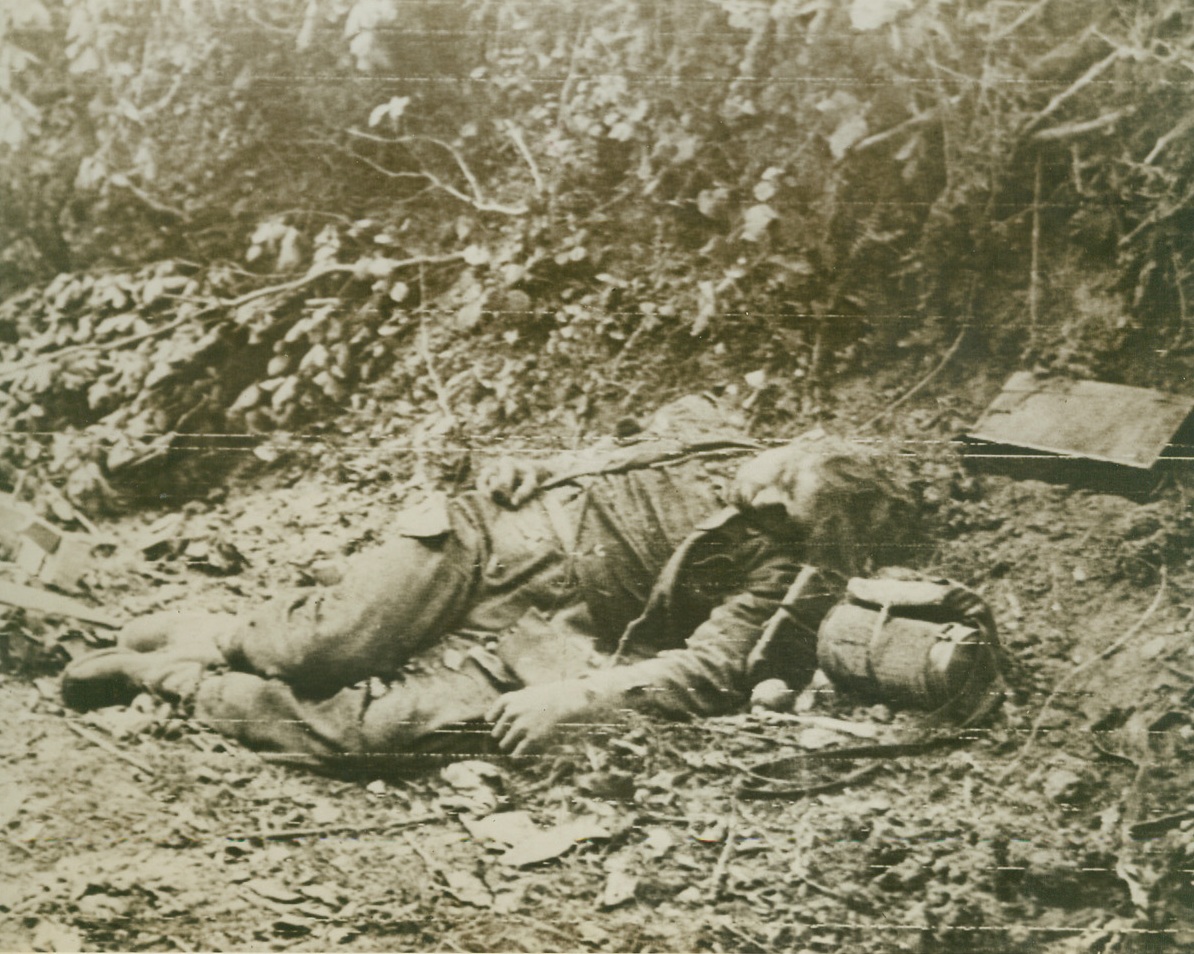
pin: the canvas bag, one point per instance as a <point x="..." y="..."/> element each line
<point x="915" y="642"/>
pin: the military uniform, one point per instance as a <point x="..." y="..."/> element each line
<point x="630" y="574"/>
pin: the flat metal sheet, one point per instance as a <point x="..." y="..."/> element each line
<point x="1090" y="419"/>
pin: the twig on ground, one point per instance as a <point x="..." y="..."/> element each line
<point x="1081" y="668"/>
<point x="1179" y="284"/>
<point x="23" y="849"/>
<point x="647" y="323"/>
<point x="81" y="517"/>
<point x="820" y="888"/>
<point x="562" y="111"/>
<point x="721" y="870"/>
<point x="291" y="834"/>
<point x="1125" y="870"/>
<point x="102" y="743"/>
<point x="1157" y="217"/>
<point x="155" y="205"/>
<point x="892" y="131"/>
<point x="920" y="386"/>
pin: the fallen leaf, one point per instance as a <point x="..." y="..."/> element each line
<point x="553" y="842"/>
<point x="468" y="889"/>
<point x="329" y="896"/>
<point x="817" y="737"/>
<point x="12" y="799"/>
<point x="325" y="813"/>
<point x="52" y="936"/>
<point x="659" y="842"/>
<point x="510" y="828"/>
<point x="620" y="887"/>
<point x="273" y="890"/>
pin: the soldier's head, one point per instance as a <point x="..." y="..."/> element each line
<point x="834" y="495"/>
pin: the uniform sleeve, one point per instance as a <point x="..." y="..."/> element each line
<point x="707" y="676"/>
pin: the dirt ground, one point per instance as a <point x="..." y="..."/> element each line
<point x="1063" y="825"/>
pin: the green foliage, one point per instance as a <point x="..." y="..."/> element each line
<point x="820" y="176"/>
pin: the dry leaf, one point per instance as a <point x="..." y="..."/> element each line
<point x="468" y="889"/>
<point x="552" y="843"/>
<point x="619" y="888"/>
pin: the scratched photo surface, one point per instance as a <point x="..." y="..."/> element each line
<point x="633" y="475"/>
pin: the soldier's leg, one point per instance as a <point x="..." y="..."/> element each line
<point x="363" y="728"/>
<point x="393" y="601"/>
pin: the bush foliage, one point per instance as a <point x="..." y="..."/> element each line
<point x="830" y="178"/>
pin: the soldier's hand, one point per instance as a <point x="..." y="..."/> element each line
<point x="509" y="481"/>
<point x="526" y="718"/>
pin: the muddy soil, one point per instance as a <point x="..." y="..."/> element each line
<point x="1064" y="824"/>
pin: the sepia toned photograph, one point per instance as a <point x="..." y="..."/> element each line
<point x="607" y="476"/>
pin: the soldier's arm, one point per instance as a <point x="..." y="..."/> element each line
<point x="707" y="676"/>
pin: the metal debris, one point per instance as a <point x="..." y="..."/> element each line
<point x="1111" y="423"/>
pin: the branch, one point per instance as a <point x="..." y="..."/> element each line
<point x="477" y="200"/>
<point x="1181" y="129"/>
<point x="516" y="135"/>
<point x="1071" y="130"/>
<point x="1083" y="81"/>
<point x="916" y="389"/>
<point x="1023" y="18"/>
<point x="108" y="747"/>
<point x="1034" y="274"/>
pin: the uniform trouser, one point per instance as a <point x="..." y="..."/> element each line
<point x="396" y="659"/>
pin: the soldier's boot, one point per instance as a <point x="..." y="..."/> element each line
<point x="115" y="677"/>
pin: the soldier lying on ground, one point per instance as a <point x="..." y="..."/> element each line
<point x="553" y="595"/>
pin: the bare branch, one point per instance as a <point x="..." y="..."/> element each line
<point x="1074" y="129"/>
<point x="516" y="136"/>
<point x="911" y="122"/>
<point x="920" y="386"/>
<point x="102" y="743"/>
<point x="1181" y="129"/>
<point x="1083" y="81"/>
<point x="477" y="200"/>
<point x="1023" y="18"/>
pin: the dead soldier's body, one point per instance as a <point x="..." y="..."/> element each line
<point x="632" y="578"/>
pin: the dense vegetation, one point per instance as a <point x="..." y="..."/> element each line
<point x="255" y="208"/>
